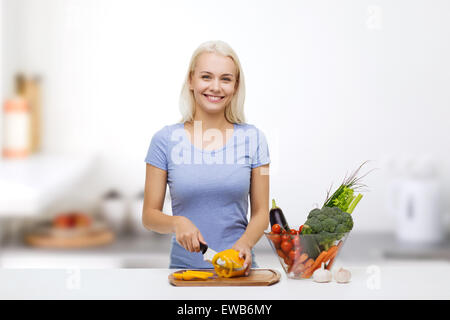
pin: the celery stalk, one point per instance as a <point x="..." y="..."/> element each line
<point x="354" y="203"/>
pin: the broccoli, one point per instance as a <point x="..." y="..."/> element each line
<point x="330" y="223"/>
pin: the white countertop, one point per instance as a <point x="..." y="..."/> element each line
<point x="403" y="280"/>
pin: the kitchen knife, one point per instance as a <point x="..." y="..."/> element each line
<point x="208" y="253"/>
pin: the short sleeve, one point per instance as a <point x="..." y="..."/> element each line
<point x="157" y="151"/>
<point x="262" y="155"/>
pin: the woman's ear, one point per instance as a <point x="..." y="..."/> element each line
<point x="190" y="81"/>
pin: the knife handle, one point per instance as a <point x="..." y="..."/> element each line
<point x="203" y="247"/>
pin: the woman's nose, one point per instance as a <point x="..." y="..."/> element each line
<point x="215" y="85"/>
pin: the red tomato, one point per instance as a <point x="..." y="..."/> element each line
<point x="293" y="255"/>
<point x="288" y="261"/>
<point x="276" y="228"/>
<point x="293" y="232"/>
<point x="285" y="237"/>
<point x="281" y="254"/>
<point x="283" y="231"/>
<point x="276" y="239"/>
<point x="63" y="221"/>
<point x="286" y="246"/>
<point x="300" y="229"/>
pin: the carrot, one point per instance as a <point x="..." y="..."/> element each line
<point x="289" y="262"/>
<point x="308" y="265"/>
<point x="290" y="267"/>
<point x="332" y="257"/>
<point x="308" y="272"/>
<point x="330" y="263"/>
<point x="302" y="258"/>
<point x="331" y="252"/>
<point x="298" y="268"/>
<point x="281" y="254"/>
<point x="309" y="262"/>
<point x="319" y="259"/>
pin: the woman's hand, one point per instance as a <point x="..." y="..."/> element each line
<point x="187" y="234"/>
<point x="244" y="252"/>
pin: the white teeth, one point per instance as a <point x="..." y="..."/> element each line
<point x="213" y="98"/>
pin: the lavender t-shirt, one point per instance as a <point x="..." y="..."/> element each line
<point x="211" y="188"/>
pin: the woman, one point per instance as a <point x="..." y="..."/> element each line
<point x="212" y="161"/>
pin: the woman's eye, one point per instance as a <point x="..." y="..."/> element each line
<point x="207" y="77"/>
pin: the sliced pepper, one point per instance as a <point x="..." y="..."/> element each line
<point x="200" y="274"/>
<point x="191" y="275"/>
<point x="178" y="276"/>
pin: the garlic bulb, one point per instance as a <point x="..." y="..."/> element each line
<point x="322" y="275"/>
<point x="342" y="275"/>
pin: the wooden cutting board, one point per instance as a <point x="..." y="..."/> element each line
<point x="257" y="277"/>
<point x="82" y="240"/>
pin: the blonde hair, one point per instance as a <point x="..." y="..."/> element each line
<point x="234" y="111"/>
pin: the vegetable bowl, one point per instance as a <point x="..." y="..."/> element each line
<point x="301" y="254"/>
<point x="320" y="239"/>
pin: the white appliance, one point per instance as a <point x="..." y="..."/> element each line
<point x="415" y="200"/>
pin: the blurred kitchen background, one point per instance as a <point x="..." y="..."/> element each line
<point x="86" y="83"/>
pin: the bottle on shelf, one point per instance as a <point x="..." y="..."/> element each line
<point x="16" y="123"/>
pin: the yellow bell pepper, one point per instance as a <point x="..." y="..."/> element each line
<point x="191" y="275"/>
<point x="200" y="274"/>
<point x="234" y="265"/>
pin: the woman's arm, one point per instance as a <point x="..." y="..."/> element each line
<point x="259" y="205"/>
<point x="155" y="191"/>
<point x="154" y="219"/>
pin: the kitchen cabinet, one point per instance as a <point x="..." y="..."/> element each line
<point x="30" y="185"/>
<point x="150" y="251"/>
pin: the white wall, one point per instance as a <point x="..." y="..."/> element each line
<point x="1" y="56"/>
<point x="331" y="83"/>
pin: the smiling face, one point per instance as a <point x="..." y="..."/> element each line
<point x="213" y="82"/>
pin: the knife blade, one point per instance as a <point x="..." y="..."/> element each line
<point x="208" y="254"/>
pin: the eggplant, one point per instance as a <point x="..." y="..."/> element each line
<point x="277" y="217"/>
